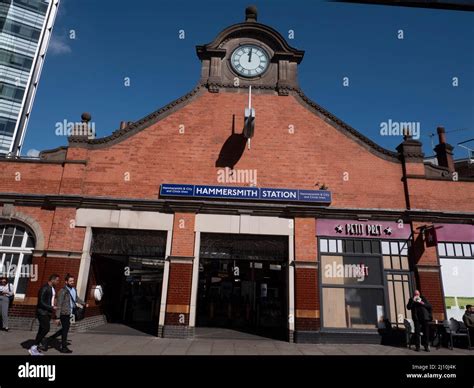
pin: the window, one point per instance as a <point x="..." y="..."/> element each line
<point x="330" y="245"/>
<point x="457" y="271"/>
<point x="347" y="270"/>
<point x="357" y="280"/>
<point x="16" y="254"/>
<point x="398" y="286"/>
<point x="354" y="308"/>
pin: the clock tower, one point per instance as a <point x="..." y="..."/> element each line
<point x="250" y="54"/>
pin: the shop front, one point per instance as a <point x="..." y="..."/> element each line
<point x="365" y="275"/>
<point x="455" y="245"/>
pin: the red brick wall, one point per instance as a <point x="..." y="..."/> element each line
<point x="180" y="277"/>
<point x="179" y="293"/>
<point x="442" y="195"/>
<point x="357" y="177"/>
<point x="191" y="157"/>
<point x="306" y="278"/>
<point x="183" y="235"/>
<point x="307" y="299"/>
<point x="430" y="286"/>
<point x="422" y="254"/>
<point x="179" y="288"/>
<point x="305" y="239"/>
<point x="427" y="271"/>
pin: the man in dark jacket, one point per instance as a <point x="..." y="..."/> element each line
<point x="44" y="310"/>
<point x="67" y="302"/>
<point x="421" y="315"/>
<point x="468" y="319"/>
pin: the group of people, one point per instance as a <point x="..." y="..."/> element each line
<point x="421" y="311"/>
<point x="61" y="307"/>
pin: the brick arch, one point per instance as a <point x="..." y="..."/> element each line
<point x="31" y="224"/>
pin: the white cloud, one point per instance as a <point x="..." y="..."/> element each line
<point x="33" y="153"/>
<point x="58" y="46"/>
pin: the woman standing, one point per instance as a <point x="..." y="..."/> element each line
<point x="6" y="293"/>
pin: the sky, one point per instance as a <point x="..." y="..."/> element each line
<point x="426" y="78"/>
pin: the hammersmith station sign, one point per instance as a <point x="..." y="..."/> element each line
<point x="245" y="193"/>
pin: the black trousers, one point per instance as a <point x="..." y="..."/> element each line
<point x="64" y="330"/>
<point x="422" y="326"/>
<point x="44" y="326"/>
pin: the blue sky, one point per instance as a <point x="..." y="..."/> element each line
<point x="408" y="79"/>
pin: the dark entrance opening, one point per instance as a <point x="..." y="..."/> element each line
<point x="243" y="283"/>
<point x="129" y="265"/>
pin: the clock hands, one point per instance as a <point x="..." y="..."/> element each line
<point x="250" y="56"/>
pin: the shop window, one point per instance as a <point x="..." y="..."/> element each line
<point x="455" y="249"/>
<point x="16" y="249"/>
<point x="449" y="250"/>
<point x="330" y="245"/>
<point x="351" y="270"/>
<point x="398" y="287"/>
<point x="353" y="283"/>
<point x="457" y="271"/>
<point x="356" y="308"/>
<point x="467" y="249"/>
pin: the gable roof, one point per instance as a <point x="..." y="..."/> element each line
<point x="158" y="115"/>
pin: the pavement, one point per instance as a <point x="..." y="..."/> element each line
<point x="116" y="339"/>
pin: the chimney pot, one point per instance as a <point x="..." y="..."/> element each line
<point x="444" y="151"/>
<point x="441" y="135"/>
<point x="123" y="124"/>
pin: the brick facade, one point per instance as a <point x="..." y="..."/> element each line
<point x="297" y="144"/>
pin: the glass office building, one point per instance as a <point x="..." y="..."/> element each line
<point x="25" y="30"/>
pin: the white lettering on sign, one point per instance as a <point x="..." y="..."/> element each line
<point x="364" y="230"/>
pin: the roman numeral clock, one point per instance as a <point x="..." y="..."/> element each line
<point x="249" y="60"/>
<point x="249" y="54"/>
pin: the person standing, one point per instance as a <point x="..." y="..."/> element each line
<point x="468" y="319"/>
<point x="421" y="312"/>
<point x="67" y="302"/>
<point x="6" y="292"/>
<point x="44" y="312"/>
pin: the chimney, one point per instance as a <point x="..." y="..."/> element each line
<point x="123" y="124"/>
<point x="444" y="151"/>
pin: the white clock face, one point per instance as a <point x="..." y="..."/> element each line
<point x="249" y="60"/>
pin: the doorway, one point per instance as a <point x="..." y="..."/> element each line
<point x="243" y="284"/>
<point x="129" y="265"/>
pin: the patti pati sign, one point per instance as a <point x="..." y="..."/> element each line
<point x="245" y="193"/>
<point x="351" y="228"/>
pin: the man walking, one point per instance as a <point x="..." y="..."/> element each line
<point x="6" y="292"/>
<point x="67" y="302"/>
<point x="44" y="311"/>
<point x="421" y="315"/>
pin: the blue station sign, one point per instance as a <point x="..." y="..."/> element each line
<point x="244" y="193"/>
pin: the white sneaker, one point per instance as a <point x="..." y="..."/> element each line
<point x="34" y="351"/>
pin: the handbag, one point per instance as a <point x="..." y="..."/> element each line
<point x="11" y="297"/>
<point x="78" y="312"/>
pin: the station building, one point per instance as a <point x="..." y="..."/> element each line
<point x="250" y="209"/>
